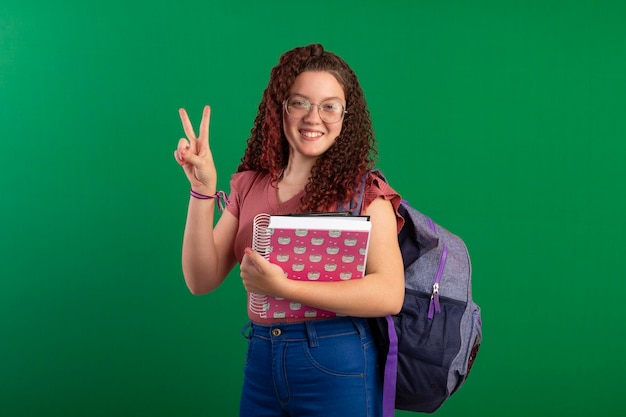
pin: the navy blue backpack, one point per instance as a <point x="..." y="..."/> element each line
<point x="429" y="347"/>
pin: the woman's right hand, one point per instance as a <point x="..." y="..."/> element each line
<point x="194" y="155"/>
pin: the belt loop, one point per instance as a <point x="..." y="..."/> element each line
<point x="311" y="333"/>
<point x="247" y="330"/>
<point x="359" y="324"/>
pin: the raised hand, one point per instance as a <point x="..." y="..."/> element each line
<point x="194" y="154"/>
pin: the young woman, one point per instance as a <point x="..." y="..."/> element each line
<point x="311" y="147"/>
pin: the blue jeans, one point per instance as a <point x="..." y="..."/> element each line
<point x="322" y="368"/>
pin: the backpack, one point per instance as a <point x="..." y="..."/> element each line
<point x="430" y="346"/>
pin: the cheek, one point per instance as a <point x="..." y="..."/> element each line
<point x="336" y="130"/>
<point x="286" y="128"/>
<point x="288" y="124"/>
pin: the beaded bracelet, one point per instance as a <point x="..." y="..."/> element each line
<point x="222" y="198"/>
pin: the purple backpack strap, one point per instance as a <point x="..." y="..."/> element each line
<point x="391" y="362"/>
<point x="391" y="371"/>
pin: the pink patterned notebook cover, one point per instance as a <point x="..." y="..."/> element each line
<point x="319" y="248"/>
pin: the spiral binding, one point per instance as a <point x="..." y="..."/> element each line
<point x="261" y="235"/>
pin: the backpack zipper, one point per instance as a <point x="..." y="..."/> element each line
<point x="434" y="306"/>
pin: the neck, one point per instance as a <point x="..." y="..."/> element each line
<point x="298" y="171"/>
<point x="294" y="177"/>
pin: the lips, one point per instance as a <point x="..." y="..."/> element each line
<point x="310" y="134"/>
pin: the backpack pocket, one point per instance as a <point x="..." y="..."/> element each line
<point x="427" y="349"/>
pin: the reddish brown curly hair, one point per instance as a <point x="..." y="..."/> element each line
<point x="339" y="172"/>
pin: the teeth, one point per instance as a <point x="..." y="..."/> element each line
<point x="311" y="134"/>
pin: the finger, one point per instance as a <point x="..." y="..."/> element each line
<point x="204" y="124"/>
<point x="179" y="158"/>
<point x="183" y="144"/>
<point x="181" y="149"/>
<point x="187" y="127"/>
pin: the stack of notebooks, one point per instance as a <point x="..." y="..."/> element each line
<point x="309" y="247"/>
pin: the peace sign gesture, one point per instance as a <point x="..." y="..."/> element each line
<point x="194" y="155"/>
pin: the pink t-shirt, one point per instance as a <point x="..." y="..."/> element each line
<point x="253" y="192"/>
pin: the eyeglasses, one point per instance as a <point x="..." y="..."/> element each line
<point x="330" y="111"/>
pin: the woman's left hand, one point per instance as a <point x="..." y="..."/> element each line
<point x="261" y="276"/>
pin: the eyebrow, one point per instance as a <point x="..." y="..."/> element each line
<point x="324" y="99"/>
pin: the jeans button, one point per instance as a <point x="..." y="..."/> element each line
<point x="276" y="332"/>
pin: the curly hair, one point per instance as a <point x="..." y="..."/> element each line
<point x="339" y="172"/>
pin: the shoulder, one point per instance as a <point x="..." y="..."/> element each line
<point x="377" y="183"/>
<point x="377" y="187"/>
<point x="245" y="180"/>
<point x="244" y="177"/>
<point x="242" y="184"/>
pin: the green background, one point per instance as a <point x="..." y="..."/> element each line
<point x="502" y="120"/>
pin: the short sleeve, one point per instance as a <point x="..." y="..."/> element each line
<point x="240" y="185"/>
<point x="377" y="187"/>
<point x="234" y="197"/>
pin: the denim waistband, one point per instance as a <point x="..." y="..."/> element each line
<point x="310" y="331"/>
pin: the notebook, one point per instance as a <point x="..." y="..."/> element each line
<point x="309" y="247"/>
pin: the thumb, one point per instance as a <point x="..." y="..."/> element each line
<point x="191" y="157"/>
<point x="254" y="258"/>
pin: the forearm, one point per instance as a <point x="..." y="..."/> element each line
<point x="199" y="255"/>
<point x="374" y="295"/>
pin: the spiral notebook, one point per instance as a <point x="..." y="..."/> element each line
<point x="309" y="247"/>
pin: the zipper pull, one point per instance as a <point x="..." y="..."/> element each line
<point x="434" y="305"/>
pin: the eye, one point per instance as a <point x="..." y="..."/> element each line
<point x="298" y="103"/>
<point x="331" y="107"/>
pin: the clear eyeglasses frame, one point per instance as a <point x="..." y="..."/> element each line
<point x="330" y="111"/>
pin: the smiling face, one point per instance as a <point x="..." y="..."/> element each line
<point x="309" y="135"/>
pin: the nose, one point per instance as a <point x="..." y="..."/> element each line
<point x="313" y="115"/>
